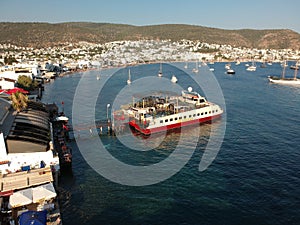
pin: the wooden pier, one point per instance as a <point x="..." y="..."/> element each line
<point x="100" y="127"/>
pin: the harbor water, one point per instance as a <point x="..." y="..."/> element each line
<point x="254" y="178"/>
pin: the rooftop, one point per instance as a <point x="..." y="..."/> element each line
<point x="26" y="131"/>
<point x="30" y="131"/>
<point x="20" y="180"/>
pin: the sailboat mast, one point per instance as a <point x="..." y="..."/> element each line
<point x="295" y="74"/>
<point x="283" y="70"/>
<point x="129" y="75"/>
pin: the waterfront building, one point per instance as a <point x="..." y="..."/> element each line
<point x="28" y="161"/>
<point x="25" y="138"/>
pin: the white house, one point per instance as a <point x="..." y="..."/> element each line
<point x="7" y="83"/>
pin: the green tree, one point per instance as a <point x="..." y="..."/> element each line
<point x="19" y="101"/>
<point x="26" y="83"/>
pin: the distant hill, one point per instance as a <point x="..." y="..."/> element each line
<point x="47" y="34"/>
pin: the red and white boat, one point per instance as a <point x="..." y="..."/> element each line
<point x="155" y="114"/>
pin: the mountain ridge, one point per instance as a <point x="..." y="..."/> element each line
<point x="35" y="34"/>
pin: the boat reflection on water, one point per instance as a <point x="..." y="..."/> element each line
<point x="199" y="133"/>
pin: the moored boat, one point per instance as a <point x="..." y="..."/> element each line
<point x="160" y="74"/>
<point x="284" y="80"/>
<point x="129" y="77"/>
<point x="227" y="66"/>
<point x="296" y="66"/>
<point x="252" y="67"/>
<point x="230" y="71"/>
<point x="288" y="81"/>
<point x="174" y="79"/>
<point x="156" y="114"/>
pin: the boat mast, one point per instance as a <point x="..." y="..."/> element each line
<point x="295" y="74"/>
<point x="283" y="70"/>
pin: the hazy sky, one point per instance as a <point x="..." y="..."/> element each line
<point x="228" y="14"/>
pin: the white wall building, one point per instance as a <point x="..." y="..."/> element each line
<point x="7" y="83"/>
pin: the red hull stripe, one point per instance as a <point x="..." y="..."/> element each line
<point x="134" y="125"/>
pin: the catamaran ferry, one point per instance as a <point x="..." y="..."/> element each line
<point x="155" y="114"/>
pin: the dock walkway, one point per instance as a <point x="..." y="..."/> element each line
<point x="101" y="127"/>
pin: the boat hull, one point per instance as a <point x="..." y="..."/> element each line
<point x="284" y="81"/>
<point x="165" y="128"/>
<point x="230" y="72"/>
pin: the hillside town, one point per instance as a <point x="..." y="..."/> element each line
<point x="120" y="53"/>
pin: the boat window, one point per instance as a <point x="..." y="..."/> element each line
<point x="213" y="111"/>
<point x="184" y="117"/>
<point x="209" y="112"/>
<point x="202" y="100"/>
<point x="175" y="118"/>
<point x="180" y="117"/>
<point x="161" y="121"/>
<point x="194" y="115"/>
<point x="198" y="114"/>
<point x="190" y="116"/>
<point x="205" y="112"/>
<point x="171" y="119"/>
<point x="216" y="110"/>
<point x="202" y="114"/>
<point x="166" y="120"/>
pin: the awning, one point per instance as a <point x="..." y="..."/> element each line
<point x="16" y="89"/>
<point x="43" y="192"/>
<point x="32" y="195"/>
<point x="6" y="193"/>
<point x="21" y="198"/>
<point x="33" y="218"/>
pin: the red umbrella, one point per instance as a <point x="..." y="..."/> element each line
<point x="16" y="89"/>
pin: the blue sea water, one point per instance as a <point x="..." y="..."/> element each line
<point x="253" y="180"/>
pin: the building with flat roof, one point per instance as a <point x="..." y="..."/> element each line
<point x="25" y="138"/>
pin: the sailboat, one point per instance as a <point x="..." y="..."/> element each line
<point x="174" y="79"/>
<point x="186" y="65"/>
<point x="196" y="70"/>
<point x="160" y="74"/>
<point x="227" y="66"/>
<point x="98" y="76"/>
<point x="228" y="69"/>
<point x="295" y="67"/>
<point x="284" y="64"/>
<point x="283" y="80"/>
<point x="252" y="67"/>
<point x="129" y="77"/>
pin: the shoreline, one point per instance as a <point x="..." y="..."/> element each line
<point x="137" y="64"/>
